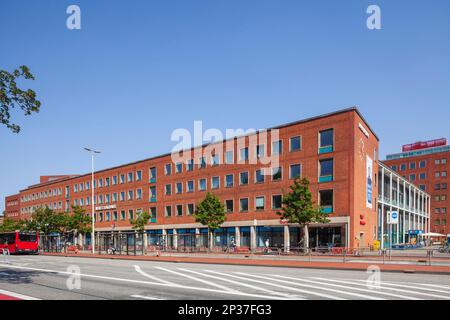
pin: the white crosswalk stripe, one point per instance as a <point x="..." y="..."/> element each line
<point x="316" y="285"/>
<point x="420" y="286"/>
<point x="323" y="295"/>
<point x="198" y="279"/>
<point x="288" y="296"/>
<point x="399" y="290"/>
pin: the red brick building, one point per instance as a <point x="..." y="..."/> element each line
<point x="337" y="152"/>
<point x="426" y="164"/>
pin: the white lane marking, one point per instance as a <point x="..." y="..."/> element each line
<point x="198" y="279"/>
<point x="241" y="284"/>
<point x="139" y="270"/>
<point x="280" y="286"/>
<point x="382" y="287"/>
<point x="147" y="282"/>
<point x="17" y="295"/>
<point x="392" y="284"/>
<point x="314" y="286"/>
<point x="430" y="285"/>
<point x="145" y="297"/>
<point x="372" y="291"/>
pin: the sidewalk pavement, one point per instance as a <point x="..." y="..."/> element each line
<point x="271" y="261"/>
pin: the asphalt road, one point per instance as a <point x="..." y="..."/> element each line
<point x="46" y="277"/>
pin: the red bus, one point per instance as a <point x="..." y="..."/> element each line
<point x="19" y="242"/>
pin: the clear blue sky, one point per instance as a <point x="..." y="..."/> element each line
<point x="137" y="70"/>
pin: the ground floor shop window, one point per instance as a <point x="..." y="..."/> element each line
<point x="273" y="235"/>
<point x="326" y="237"/>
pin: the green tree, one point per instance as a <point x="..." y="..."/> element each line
<point x="11" y="96"/>
<point x="298" y="207"/>
<point x="210" y="212"/>
<point x="141" y="220"/>
<point x="78" y="222"/>
<point x="9" y="225"/>
<point x="46" y="220"/>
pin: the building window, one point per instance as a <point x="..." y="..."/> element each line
<point x="168" y="169"/>
<point x="243" y="178"/>
<point x="277" y="201"/>
<point x="190" y="165"/>
<point x="75" y="188"/>
<point x="190" y="209"/>
<point x="412" y="165"/>
<point x="277" y="147"/>
<point x="244" y="154"/>
<point x="108" y="216"/>
<point x="139" y="175"/>
<point x="215" y="182"/>
<point x="259" y="176"/>
<point x="295" y="171"/>
<point x="139" y="194"/>
<point x="202" y="184"/>
<point x="422" y="164"/>
<point x="229" y="157"/>
<point x="412" y="177"/>
<point x="179" y="210"/>
<point x="114" y="180"/>
<point x="108" y="198"/>
<point x="179" y="187"/>
<point x="444" y="161"/>
<point x="422" y="187"/>
<point x="277" y="174"/>
<point x="130" y="177"/>
<point x="326" y="170"/>
<point x="107" y="182"/>
<point x="152" y="194"/>
<point x="229" y="206"/>
<point x="444" y="186"/>
<point x="202" y="163"/>
<point x="403" y="167"/>
<point x="326" y="201"/>
<point x="130" y="214"/>
<point x="229" y="181"/>
<point x="437" y="174"/>
<point x="122" y="178"/>
<point x="437" y="186"/>
<point x="122" y="215"/>
<point x="130" y="195"/>
<point x="122" y="196"/>
<point x="190" y="186"/>
<point x="444" y="174"/>
<point x="260" y="151"/>
<point x="437" y="161"/>
<point x="168" y="189"/>
<point x="115" y="215"/>
<point x="152" y="174"/>
<point x="394" y="167"/>
<point x="215" y="160"/>
<point x="259" y="203"/>
<point x="422" y="176"/>
<point x="168" y="211"/>
<point x="243" y="205"/>
<point x="295" y="144"/>
<point x="179" y="167"/>
<point x="326" y="141"/>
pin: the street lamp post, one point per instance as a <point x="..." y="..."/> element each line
<point x="93" y="152"/>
